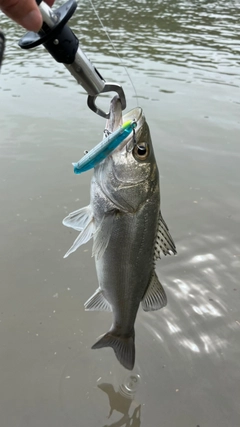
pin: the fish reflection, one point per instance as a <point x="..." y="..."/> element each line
<point x="121" y="401"/>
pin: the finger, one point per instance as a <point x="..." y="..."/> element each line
<point x="24" y="12"/>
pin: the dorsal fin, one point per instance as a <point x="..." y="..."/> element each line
<point x="164" y="242"/>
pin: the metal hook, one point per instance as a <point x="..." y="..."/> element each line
<point x="133" y="142"/>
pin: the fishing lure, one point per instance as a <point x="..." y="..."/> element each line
<point x="104" y="148"/>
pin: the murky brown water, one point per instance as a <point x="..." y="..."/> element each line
<point x="184" y="60"/>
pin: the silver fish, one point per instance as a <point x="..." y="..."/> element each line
<point x="129" y="234"/>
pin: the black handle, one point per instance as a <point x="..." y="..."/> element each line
<point x="59" y="40"/>
<point x="2" y="46"/>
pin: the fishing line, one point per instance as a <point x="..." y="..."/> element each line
<point x="115" y="50"/>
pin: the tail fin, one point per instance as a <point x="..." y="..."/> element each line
<point x="123" y="346"/>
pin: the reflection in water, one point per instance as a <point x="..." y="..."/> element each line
<point x="121" y="401"/>
<point x="183" y="57"/>
<point x="197" y="313"/>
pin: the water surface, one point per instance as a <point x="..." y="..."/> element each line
<point x="183" y="58"/>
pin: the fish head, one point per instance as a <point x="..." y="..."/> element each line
<point x="129" y="176"/>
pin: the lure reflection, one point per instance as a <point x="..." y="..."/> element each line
<point x="122" y="401"/>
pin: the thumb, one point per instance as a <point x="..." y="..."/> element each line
<point x="24" y="12"/>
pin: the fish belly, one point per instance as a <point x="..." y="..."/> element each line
<point x="125" y="269"/>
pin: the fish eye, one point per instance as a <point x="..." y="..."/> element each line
<point x="141" y="151"/>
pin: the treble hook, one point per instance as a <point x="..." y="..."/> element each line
<point x="133" y="142"/>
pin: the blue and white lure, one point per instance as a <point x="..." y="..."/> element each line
<point x="104" y="148"/>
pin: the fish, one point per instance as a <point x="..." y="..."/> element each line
<point x="129" y="234"/>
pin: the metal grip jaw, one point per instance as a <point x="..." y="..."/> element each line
<point x="63" y="45"/>
<point x="108" y="87"/>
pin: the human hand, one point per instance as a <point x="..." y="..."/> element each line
<point x="24" y="12"/>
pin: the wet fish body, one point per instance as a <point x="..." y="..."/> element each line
<point x="128" y="233"/>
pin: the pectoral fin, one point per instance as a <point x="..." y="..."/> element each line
<point x="79" y="219"/>
<point x="102" y="235"/>
<point x="155" y="297"/>
<point x="85" y="235"/>
<point x="97" y="302"/>
<point x="164" y="242"/>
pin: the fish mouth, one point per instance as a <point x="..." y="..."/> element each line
<point x="136" y="115"/>
<point x="116" y="119"/>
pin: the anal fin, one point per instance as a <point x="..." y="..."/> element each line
<point x="155" y="297"/>
<point x="97" y="302"/>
